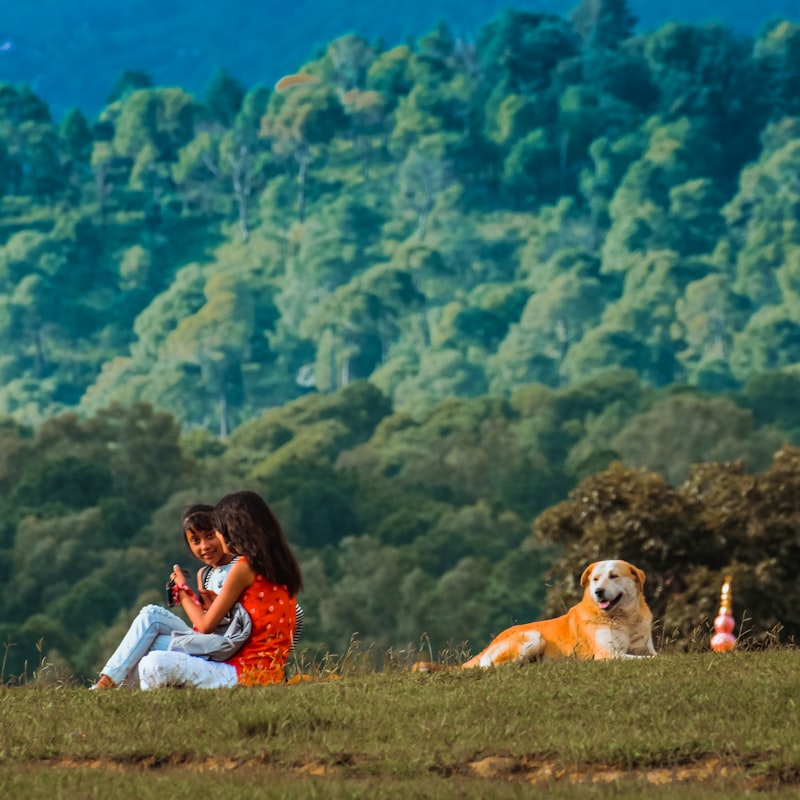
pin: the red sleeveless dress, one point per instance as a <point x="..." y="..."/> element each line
<point x="273" y="613"/>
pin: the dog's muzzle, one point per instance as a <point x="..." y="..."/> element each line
<point x="603" y="603"/>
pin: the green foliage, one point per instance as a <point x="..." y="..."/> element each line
<point x="375" y="205"/>
<point x="76" y="498"/>
<point x="521" y="50"/>
<point x="224" y="96"/>
<point x="129" y="81"/>
<point x="685" y="429"/>
<point x="603" y="23"/>
<point x="720" y="521"/>
<point x="772" y="398"/>
<point x="431" y="516"/>
<point x="414" y="301"/>
<point x="56" y="485"/>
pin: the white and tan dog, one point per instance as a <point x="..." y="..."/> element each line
<point x="611" y="621"/>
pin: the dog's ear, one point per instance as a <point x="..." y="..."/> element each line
<point x="587" y="572"/>
<point x="638" y="575"/>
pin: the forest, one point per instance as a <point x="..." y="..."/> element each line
<point x="469" y="314"/>
<point x="70" y="52"/>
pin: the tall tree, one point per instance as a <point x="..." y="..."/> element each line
<point x="298" y="123"/>
<point x="521" y="51"/>
<point x="421" y="179"/>
<point x="777" y="58"/>
<point x="603" y="23"/>
<point x="216" y="338"/>
<point x="223" y="97"/>
<point x="728" y="98"/>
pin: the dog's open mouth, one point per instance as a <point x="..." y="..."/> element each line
<point x="606" y="605"/>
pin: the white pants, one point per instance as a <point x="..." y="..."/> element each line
<point x="169" y="668"/>
<point x="151" y="630"/>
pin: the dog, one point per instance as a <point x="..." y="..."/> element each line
<point x="611" y="621"/>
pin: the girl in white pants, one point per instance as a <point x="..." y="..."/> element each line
<point x="153" y="626"/>
<point x="143" y="652"/>
<point x="265" y="580"/>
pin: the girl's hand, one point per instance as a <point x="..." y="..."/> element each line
<point x="205" y="621"/>
<point x="177" y="574"/>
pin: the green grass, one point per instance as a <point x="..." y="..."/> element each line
<point x="699" y="725"/>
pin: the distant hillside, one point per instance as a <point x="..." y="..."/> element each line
<point x="428" y="301"/>
<point x="71" y="52"/>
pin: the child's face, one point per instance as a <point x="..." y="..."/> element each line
<point x="208" y="547"/>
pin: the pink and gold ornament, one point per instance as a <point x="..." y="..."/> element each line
<point x="723" y="639"/>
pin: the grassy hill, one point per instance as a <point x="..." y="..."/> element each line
<point x="692" y="726"/>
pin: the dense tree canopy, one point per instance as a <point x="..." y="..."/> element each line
<point x="415" y="295"/>
<point x="445" y="217"/>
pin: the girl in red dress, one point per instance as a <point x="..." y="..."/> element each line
<point x="265" y="580"/>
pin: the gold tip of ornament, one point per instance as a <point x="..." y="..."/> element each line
<point x="725" y="595"/>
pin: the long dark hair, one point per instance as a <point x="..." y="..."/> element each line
<point x="250" y="529"/>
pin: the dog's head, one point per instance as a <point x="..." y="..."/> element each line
<point x="613" y="586"/>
